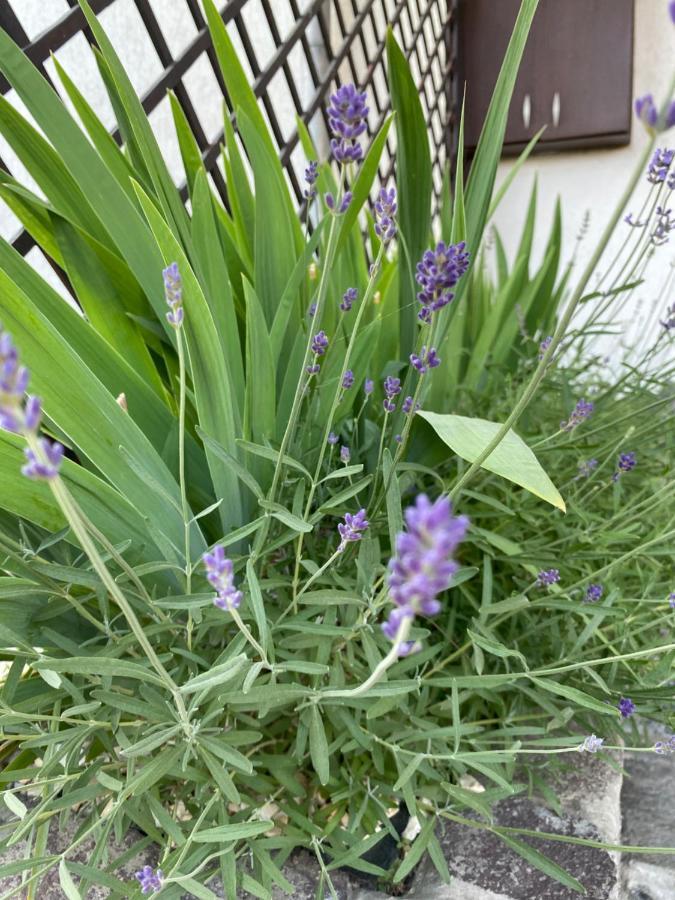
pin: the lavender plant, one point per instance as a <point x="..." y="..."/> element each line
<point x="250" y="602"/>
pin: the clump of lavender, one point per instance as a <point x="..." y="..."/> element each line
<point x="23" y="417"/>
<point x="173" y="291"/>
<point x="667" y="746"/>
<point x="626" y="707"/>
<point x="659" y="165"/>
<point x="646" y="111"/>
<point x="347" y="116"/>
<point x="545" y="344"/>
<point x="150" y="880"/>
<point x="392" y="388"/>
<point x="385" y="210"/>
<point x="579" y="414"/>
<point x="347" y="380"/>
<point x="428" y="359"/>
<point x="352" y="528"/>
<point x="586" y="467"/>
<point x="348" y="299"/>
<point x="593" y="593"/>
<point x="547" y="577"/>
<point x="438" y="272"/>
<point x="422" y="566"/>
<point x="591" y="744"/>
<point x="220" y="573"/>
<point x="625" y="463"/>
<point x="311" y="175"/>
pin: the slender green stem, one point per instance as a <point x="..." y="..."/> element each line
<point x="63" y="498"/>
<point x="187" y="512"/>
<point x="377" y="673"/>
<point x="249" y="637"/>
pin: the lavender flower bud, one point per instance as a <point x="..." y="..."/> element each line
<point x="333" y="439"/>
<point x="385" y="210"/>
<point x="671" y="11"/>
<point x="545" y="344"/>
<point x="659" y="165"/>
<point x="392" y="387"/>
<point x="667" y="746"/>
<point x="352" y="528"/>
<point x="438" y="272"/>
<point x="585" y="468"/>
<point x="625" y="463"/>
<point x="348" y="299"/>
<point x="368" y="387"/>
<point x="14" y="380"/>
<point x="311" y="175"/>
<point x="344" y="203"/>
<point x="173" y="291"/>
<point x="626" y="707"/>
<point x="319" y="343"/>
<point x="347" y="380"/>
<point x="392" y="624"/>
<point x="593" y="593"/>
<point x="345" y="455"/>
<point x="547" y="577"/>
<point x="347" y="116"/>
<point x="646" y="111"/>
<point x="426" y="360"/>
<point x="591" y="744"/>
<point x="408" y="405"/>
<point x="314" y="369"/>
<point x="220" y="573"/>
<point x="671" y="600"/>
<point x="311" y="312"/>
<point x="422" y="566"/>
<point x="578" y="415"/>
<point x="149" y="880"/>
<point x="32" y="413"/>
<point x="44" y="465"/>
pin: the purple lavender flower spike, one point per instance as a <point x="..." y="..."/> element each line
<point x="368" y="387"/>
<point x="45" y="465"/>
<point x="426" y="360"/>
<point x="408" y="405"/>
<point x="438" y="272"/>
<point x="586" y="467"/>
<point x="347" y="116"/>
<point x="385" y="210"/>
<point x="333" y="439"/>
<point x="220" y="574"/>
<point x="545" y="344"/>
<point x="591" y="744"/>
<point x="311" y="175"/>
<point x="669" y="323"/>
<point x="319" y="343"/>
<point x="593" y="593"/>
<point x="150" y="880"/>
<point x="329" y="200"/>
<point x="578" y="415"/>
<point x="392" y="387"/>
<point x="173" y="291"/>
<point x="671" y="600"/>
<point x="670" y="116"/>
<point x="422" y="566"/>
<point x="547" y="577"/>
<point x="344" y="203"/>
<point x="348" y="299"/>
<point x="14" y="380"/>
<point x="626" y="707"/>
<point x="625" y="463"/>
<point x="345" y="455"/>
<point x="659" y="165"/>
<point x="311" y="312"/>
<point x="352" y="528"/>
<point x="646" y="111"/>
<point x="347" y="380"/>
<point x="314" y="369"/>
<point x="671" y="11"/>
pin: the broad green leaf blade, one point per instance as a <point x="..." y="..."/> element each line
<point x="512" y="459"/>
<point x="413" y="180"/>
<point x="260" y="409"/>
<point x="224" y="834"/>
<point x="212" y="387"/>
<point x="187" y="143"/>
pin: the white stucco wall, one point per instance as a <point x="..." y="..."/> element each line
<point x="591" y="181"/>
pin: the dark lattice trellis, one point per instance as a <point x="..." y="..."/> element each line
<point x="296" y="52"/>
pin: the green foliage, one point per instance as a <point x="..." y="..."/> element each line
<point x="228" y="738"/>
